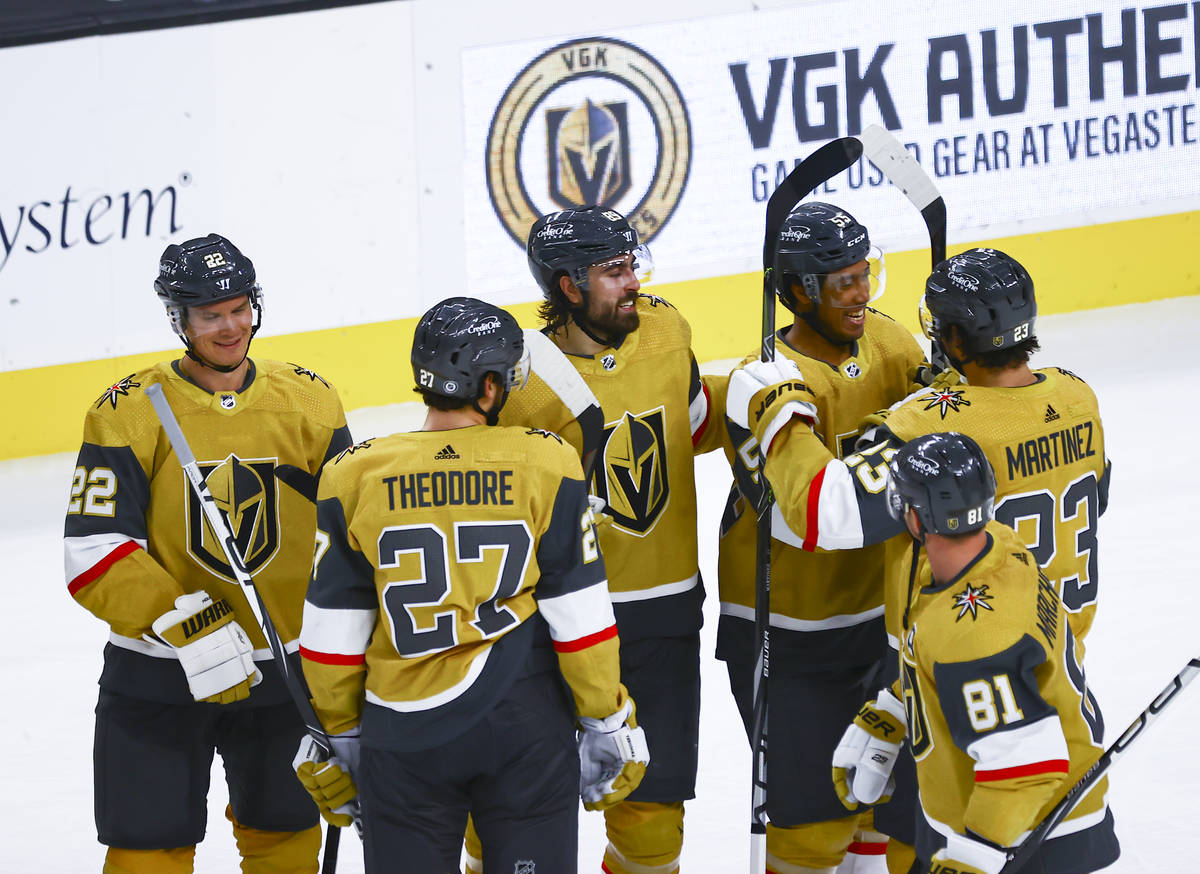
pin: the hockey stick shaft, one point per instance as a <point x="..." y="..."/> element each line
<point x="294" y="681"/>
<point x="824" y="163"/>
<point x="1019" y="857"/>
<point x="551" y="365"/>
<point x="895" y="162"/>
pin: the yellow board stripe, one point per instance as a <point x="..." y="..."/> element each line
<point x="1074" y="269"/>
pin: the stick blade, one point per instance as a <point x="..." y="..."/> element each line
<point x="825" y="163"/>
<point x="886" y="153"/>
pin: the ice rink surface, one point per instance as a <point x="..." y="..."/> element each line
<point x="1142" y="361"/>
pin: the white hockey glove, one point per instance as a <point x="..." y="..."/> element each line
<point x="968" y="857"/>
<point x="764" y="395"/>
<point x="330" y="781"/>
<point x="866" y="754"/>
<point x="612" y="758"/>
<point x="213" y="649"/>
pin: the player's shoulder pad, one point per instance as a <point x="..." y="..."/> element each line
<point x="661" y="321"/>
<point x="654" y="301"/>
<point x="318" y="397"/>
<point x="123" y="411"/>
<point x="543" y="433"/>
<point x="552" y="451"/>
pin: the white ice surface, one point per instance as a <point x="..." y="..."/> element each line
<point x="1143" y="362"/>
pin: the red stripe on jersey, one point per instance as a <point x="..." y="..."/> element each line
<point x="97" y="570"/>
<point x="698" y="435"/>
<point x="1051" y="766"/>
<point x="581" y="643"/>
<point x="331" y="658"/>
<point x="814" y="499"/>
<point x="864" y="848"/>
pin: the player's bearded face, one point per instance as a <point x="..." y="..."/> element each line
<point x="612" y="297"/>
<point x="843" y="305"/>
<point x="220" y="332"/>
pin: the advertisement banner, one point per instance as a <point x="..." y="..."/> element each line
<point x="1027" y="120"/>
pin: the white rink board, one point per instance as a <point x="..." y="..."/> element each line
<point x="259" y="129"/>
<point x="1061" y="151"/>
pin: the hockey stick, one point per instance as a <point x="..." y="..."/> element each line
<point x="825" y="163"/>
<point x="294" y="680"/>
<point x="895" y="162"/>
<point x="551" y="364"/>
<point x="1020" y="856"/>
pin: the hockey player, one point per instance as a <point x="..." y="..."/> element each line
<point x="187" y="670"/>
<point x="1041" y="430"/>
<point x="827" y="608"/>
<point x="634" y="352"/>
<point x="457" y="573"/>
<point x="1000" y="718"/>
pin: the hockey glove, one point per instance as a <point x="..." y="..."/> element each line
<point x="866" y="754"/>
<point x="764" y="395"/>
<point x="612" y="758"/>
<point x="330" y="781"/>
<point x="215" y="652"/>
<point x="967" y="856"/>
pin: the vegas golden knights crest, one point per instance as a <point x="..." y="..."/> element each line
<point x="633" y="477"/>
<point x="244" y="491"/>
<point x="587" y="154"/>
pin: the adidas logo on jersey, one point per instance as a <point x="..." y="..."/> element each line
<point x="446" y="453"/>
<point x="1051" y="413"/>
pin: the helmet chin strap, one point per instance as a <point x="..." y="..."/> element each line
<point x="492" y="416"/>
<point x="581" y="322"/>
<point x="810" y="318"/>
<point x="219" y="368"/>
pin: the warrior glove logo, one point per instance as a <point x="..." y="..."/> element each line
<point x="582" y="99"/>
<point x="632" y="480"/>
<point x="244" y="492"/>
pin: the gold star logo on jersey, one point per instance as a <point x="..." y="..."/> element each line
<point x="971" y="600"/>
<point x="117" y="390"/>
<point x="948" y="399"/>
<point x="244" y="492"/>
<point x="633" y="477"/>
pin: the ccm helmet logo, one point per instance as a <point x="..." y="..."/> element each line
<point x="857" y="240"/>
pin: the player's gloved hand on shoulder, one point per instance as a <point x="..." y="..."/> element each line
<point x="866" y="754"/>
<point x="764" y="396"/>
<point x="967" y="856"/>
<point x="612" y="757"/>
<point x="215" y="652"/>
<point x="330" y="781"/>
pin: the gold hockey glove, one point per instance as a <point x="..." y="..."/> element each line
<point x="763" y="397"/>
<point x="330" y="781"/>
<point x="213" y="649"/>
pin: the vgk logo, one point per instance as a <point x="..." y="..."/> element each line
<point x="633" y="477"/>
<point x="244" y="491"/>
<point x="616" y="134"/>
<point x="588" y="154"/>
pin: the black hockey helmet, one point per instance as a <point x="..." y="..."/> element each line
<point x="815" y="239"/>
<point x="946" y="479"/>
<point x="460" y="340"/>
<point x="201" y="271"/>
<point x="572" y="240"/>
<point x="987" y="294"/>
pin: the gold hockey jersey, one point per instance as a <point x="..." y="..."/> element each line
<point x="136" y="538"/>
<point x="1001" y="720"/>
<point x="656" y="411"/>
<point x="1046" y="445"/>
<point x="448" y="564"/>
<point x="826" y="606"/>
